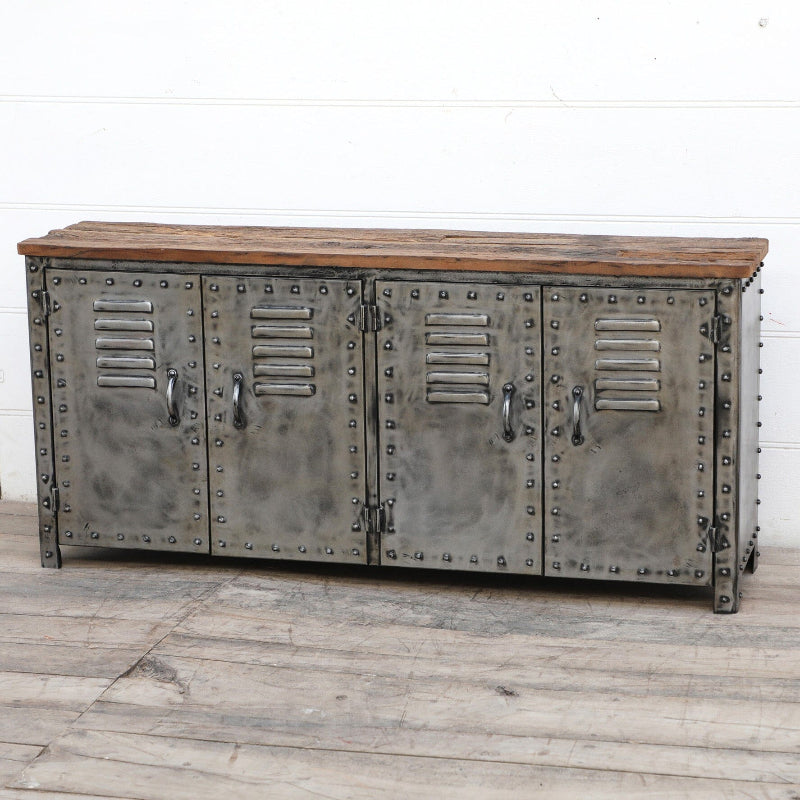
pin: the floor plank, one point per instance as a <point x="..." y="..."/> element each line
<point x="151" y="768"/>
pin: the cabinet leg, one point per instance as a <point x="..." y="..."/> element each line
<point x="49" y="549"/>
<point x="752" y="564"/>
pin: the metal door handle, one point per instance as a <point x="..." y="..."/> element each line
<point x="577" y="436"/>
<point x="172" y="375"/>
<point x="508" y="432"/>
<point x="238" y="416"/>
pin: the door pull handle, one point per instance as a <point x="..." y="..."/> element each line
<point x="577" y="435"/>
<point x="238" y="415"/>
<point x="172" y="410"/>
<point x="508" y="431"/>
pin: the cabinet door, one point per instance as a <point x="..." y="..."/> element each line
<point x="285" y="387"/>
<point x="459" y="417"/>
<point x="629" y="415"/>
<point x="129" y="409"/>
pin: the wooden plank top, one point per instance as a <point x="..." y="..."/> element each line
<point x="651" y="256"/>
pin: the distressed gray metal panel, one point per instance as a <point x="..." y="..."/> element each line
<point x="129" y="438"/>
<point x="460" y="459"/>
<point x="46" y="484"/>
<point x="628" y="487"/>
<point x="286" y="453"/>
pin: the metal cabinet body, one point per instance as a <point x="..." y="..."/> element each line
<point x="523" y="421"/>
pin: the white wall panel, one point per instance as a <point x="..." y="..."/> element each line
<point x="15" y="388"/>
<point x="777" y="513"/>
<point x="418" y="49"/>
<point x="18" y="476"/>
<point x="586" y="161"/>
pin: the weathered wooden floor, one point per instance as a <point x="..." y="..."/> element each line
<point x="128" y="675"/>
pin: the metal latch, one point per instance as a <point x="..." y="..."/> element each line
<point x="717" y="540"/>
<point x="374" y="519"/>
<point x="54" y="498"/>
<point x="44" y="299"/>
<point x="712" y="329"/>
<point x="368" y="318"/>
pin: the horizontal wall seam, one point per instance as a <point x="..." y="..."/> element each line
<point x="377" y="102"/>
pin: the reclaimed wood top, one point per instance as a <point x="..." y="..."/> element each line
<point x="652" y="256"/>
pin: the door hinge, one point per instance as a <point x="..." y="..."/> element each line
<point x="54" y="499"/>
<point x="369" y="318"/>
<point x="715" y="328"/>
<point x="717" y="540"/>
<point x="44" y="299"/>
<point x="374" y="519"/>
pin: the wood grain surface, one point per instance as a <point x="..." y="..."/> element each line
<point x="667" y="257"/>
<point x="143" y="676"/>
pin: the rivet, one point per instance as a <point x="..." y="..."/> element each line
<point x="528" y="430"/>
<point x="530" y="510"/>
<point x="672" y="572"/>
<point x="726" y="489"/>
<point x="703" y="301"/>
<point x="390" y="423"/>
<point x="584" y="567"/>
<point x="528" y="351"/>
<point x="555" y="538"/>
<point x="727" y="290"/>
<point x="555" y="378"/>
<point x="302" y="547"/>
<point x="642" y="571"/>
<point x="528" y="562"/>
<point x="472" y="295"/>
<point x="351" y="370"/>
<point x="612" y="298"/>
<point x="529" y="536"/>
<point x="701" y="412"/>
<point x="726" y="348"/>
<point x="501" y="562"/>
<point x="163" y="284"/>
<point x="387" y="346"/>
<point x="190" y="313"/>
<point x="390" y="476"/>
<point x="109" y="281"/>
<point x="68" y="534"/>
<point x="671" y="300"/>
<point x="528" y="323"/>
<point x="554" y="511"/>
<point x="702" y="358"/>
<point x="218" y="442"/>
<point x="415" y="293"/>
<point x="82" y="281"/>
<point x="390" y="449"/>
<point x="268" y="288"/>
<point x="196" y="517"/>
<point x="701" y="548"/>
<point x="192" y="338"/>
<point x="214" y="314"/>
<point x="65" y="459"/>
<point x="473" y="559"/>
<point x="33" y="268"/>
<point x="698" y="573"/>
<point x="221" y="543"/>
<point x="555" y="351"/>
<point x="584" y="298"/>
<point x="726" y="405"/>
<point x="725" y="571"/>
<point x="275" y="549"/>
<point x="38" y="349"/>
<point x="726" y="460"/>
<point x="195" y="466"/>
<point x="701" y="440"/>
<point x="146" y="539"/>
<point x="221" y="519"/>
<point x="389" y="397"/>
<point x="527" y="297"/>
<point x="530" y="457"/>
<point x="701" y="520"/>
<point x="67" y="507"/>
<point x="391" y="554"/>
<point x="554" y="324"/>
<point x="556" y="565"/>
<point x="726" y="434"/>
<point x="614" y="569"/>
<point x="555" y="458"/>
<point x="352" y="423"/>
<point x="725" y="516"/>
<point x="529" y="404"/>
<point x="40" y="400"/>
<point x="556" y="405"/>
<point x="760" y="398"/>
<point x="353" y="475"/>
<point x="296" y="290"/>
<point x="172" y="540"/>
<point x="443" y="295"/>
<point x="355" y="551"/>
<point x="556" y="431"/>
<point x="355" y="501"/>
<point x="329" y="551"/>
<point x="95" y="535"/>
<point x="724" y="599"/>
<point x="352" y="398"/>
<point x="418" y="555"/>
<point x="701" y="467"/>
<point x="215" y="339"/>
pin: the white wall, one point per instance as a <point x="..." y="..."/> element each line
<point x="678" y="118"/>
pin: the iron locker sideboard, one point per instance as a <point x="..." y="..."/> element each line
<point x="576" y="406"/>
